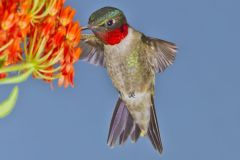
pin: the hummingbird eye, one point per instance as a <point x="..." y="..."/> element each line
<point x="110" y="22"/>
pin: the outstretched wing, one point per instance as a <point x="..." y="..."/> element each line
<point x="93" y="50"/>
<point x="160" y="53"/>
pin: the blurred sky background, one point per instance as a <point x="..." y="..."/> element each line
<point x="197" y="99"/>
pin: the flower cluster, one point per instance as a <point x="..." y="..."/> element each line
<point x="39" y="38"/>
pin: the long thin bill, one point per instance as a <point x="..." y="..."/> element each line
<point x="84" y="28"/>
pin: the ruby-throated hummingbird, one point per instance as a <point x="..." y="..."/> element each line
<point x="132" y="60"/>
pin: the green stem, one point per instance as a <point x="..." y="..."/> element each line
<point x="17" y="79"/>
<point x="1" y="63"/>
<point x="6" y="45"/>
<point x="54" y="60"/>
<point x="25" y="47"/>
<point x="41" y="48"/>
<point x="18" y="67"/>
<point x="45" y="57"/>
<point x="32" y="42"/>
<point x="44" y="77"/>
<point x="51" y="71"/>
<point x="47" y="10"/>
<point x="35" y="5"/>
<point x="40" y="6"/>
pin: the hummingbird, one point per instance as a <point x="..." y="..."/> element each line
<point x="132" y="60"/>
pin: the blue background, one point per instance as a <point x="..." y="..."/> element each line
<point x="197" y="98"/>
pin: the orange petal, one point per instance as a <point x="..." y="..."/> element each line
<point x="66" y="15"/>
<point x="48" y="25"/>
<point x="73" y="30"/>
<point x="58" y="37"/>
<point x="23" y="7"/>
<point x="77" y="54"/>
<point x="8" y="20"/>
<point x="3" y="75"/>
<point x="58" y="5"/>
<point x="24" y="21"/>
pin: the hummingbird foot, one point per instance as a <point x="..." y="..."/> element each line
<point x="131" y="95"/>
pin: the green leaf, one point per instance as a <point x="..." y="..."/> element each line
<point x="7" y="106"/>
<point x="17" y="79"/>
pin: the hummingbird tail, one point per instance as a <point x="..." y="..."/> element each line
<point x="122" y="125"/>
<point x="153" y="129"/>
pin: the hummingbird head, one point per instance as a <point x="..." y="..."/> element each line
<point x="109" y="24"/>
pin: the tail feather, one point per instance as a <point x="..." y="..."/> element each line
<point x="153" y="130"/>
<point x="135" y="133"/>
<point x="127" y="130"/>
<point x="123" y="126"/>
<point x="117" y="124"/>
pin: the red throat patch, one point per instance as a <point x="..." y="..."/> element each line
<point x="115" y="36"/>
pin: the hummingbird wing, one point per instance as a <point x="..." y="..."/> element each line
<point x="160" y="53"/>
<point x="93" y="50"/>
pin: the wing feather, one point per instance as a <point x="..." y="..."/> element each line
<point x="161" y="54"/>
<point x="93" y="50"/>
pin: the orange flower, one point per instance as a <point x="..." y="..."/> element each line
<point x="3" y="37"/>
<point x="73" y="30"/>
<point x="14" y="52"/>
<point x="23" y="7"/>
<point x="3" y="75"/>
<point x="66" y="78"/>
<point x="48" y="25"/>
<point x="1" y="8"/>
<point x="77" y="54"/>
<point x="48" y="35"/>
<point x="66" y="15"/>
<point x="8" y="20"/>
<point x="58" y="38"/>
<point x="57" y="7"/>
<point x="24" y="21"/>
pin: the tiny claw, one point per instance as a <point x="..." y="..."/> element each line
<point x="131" y="95"/>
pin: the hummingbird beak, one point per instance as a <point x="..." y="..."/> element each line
<point x="85" y="28"/>
<point x="89" y="28"/>
<point x="93" y="27"/>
